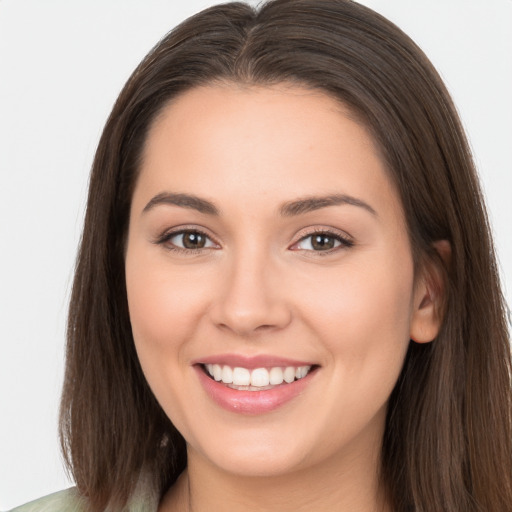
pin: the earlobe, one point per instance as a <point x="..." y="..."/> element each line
<point x="425" y="322"/>
<point x="429" y="296"/>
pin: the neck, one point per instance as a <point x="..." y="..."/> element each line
<point x="351" y="484"/>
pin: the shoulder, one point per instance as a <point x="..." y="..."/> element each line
<point x="144" y="499"/>
<point x="62" y="501"/>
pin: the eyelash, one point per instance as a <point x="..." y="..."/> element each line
<point x="165" y="238"/>
<point x="344" y="242"/>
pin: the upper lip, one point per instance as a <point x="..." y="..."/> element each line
<point x="251" y="362"/>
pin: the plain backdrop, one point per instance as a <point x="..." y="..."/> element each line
<point x="62" y="64"/>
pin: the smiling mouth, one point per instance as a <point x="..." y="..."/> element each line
<point x="257" y="379"/>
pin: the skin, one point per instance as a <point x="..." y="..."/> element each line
<point x="259" y="287"/>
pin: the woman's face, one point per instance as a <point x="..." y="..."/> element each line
<point x="267" y="246"/>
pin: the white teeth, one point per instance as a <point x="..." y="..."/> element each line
<point x="227" y="375"/>
<point x="260" y="377"/>
<point x="217" y="372"/>
<point x="257" y="378"/>
<point x="303" y="371"/>
<point x="289" y="374"/>
<point x="276" y="376"/>
<point x="241" y="376"/>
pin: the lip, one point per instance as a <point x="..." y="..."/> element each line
<point x="251" y="362"/>
<point x="252" y="402"/>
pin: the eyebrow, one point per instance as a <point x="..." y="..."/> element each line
<point x="288" y="209"/>
<point x="183" y="200"/>
<point x="309" y="204"/>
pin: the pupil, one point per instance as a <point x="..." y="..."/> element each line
<point x="193" y="240"/>
<point x="322" y="242"/>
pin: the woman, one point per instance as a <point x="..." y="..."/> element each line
<point x="286" y="294"/>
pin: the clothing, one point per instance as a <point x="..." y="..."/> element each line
<point x="67" y="500"/>
<point x="144" y="499"/>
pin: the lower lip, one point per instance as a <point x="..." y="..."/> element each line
<point x="251" y="402"/>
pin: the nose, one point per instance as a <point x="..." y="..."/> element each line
<point x="251" y="297"/>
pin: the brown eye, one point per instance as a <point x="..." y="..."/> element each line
<point x="188" y="240"/>
<point x="322" y="242"/>
<point x="193" y="240"/>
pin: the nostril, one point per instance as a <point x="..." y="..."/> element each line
<point x="264" y="327"/>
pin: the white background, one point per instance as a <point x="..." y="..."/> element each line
<point x="62" y="64"/>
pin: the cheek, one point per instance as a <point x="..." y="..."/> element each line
<point x="363" y="317"/>
<point x="164" y="306"/>
<point x="363" y="295"/>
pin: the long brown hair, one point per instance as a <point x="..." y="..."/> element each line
<point x="448" y="438"/>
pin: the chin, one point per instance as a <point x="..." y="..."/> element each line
<point x="265" y="457"/>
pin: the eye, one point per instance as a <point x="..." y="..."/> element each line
<point x="322" y="241"/>
<point x="188" y="239"/>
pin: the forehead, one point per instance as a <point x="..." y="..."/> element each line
<point x="231" y="143"/>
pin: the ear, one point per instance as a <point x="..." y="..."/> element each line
<point x="429" y="295"/>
